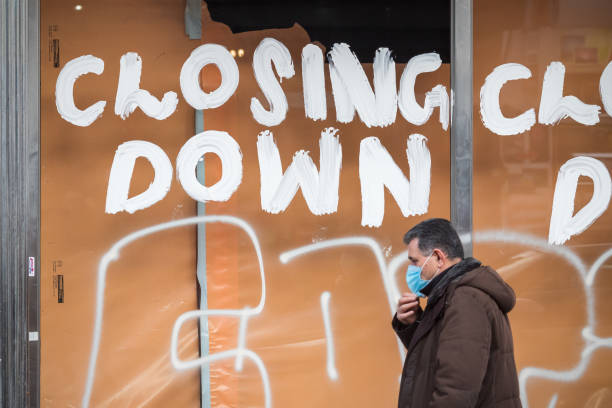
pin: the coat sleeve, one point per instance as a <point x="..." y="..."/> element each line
<point x="463" y="352"/>
<point x="403" y="331"/>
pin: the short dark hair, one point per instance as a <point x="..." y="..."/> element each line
<point x="436" y="233"/>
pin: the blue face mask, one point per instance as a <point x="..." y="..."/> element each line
<point x="413" y="278"/>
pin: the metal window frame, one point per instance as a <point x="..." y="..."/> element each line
<point x="19" y="203"/>
<point x="20" y="182"/>
<point x="461" y="152"/>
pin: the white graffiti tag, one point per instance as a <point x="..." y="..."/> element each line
<point x="388" y="272"/>
<point x="239" y="353"/>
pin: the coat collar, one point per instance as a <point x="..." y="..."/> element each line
<point x="452" y="274"/>
<point x="436" y="302"/>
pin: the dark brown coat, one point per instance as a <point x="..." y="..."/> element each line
<point x="460" y="351"/>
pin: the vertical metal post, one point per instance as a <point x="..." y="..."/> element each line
<point x="461" y="123"/>
<point x="193" y="19"/>
<point x="201" y="274"/>
<point x="19" y="203"/>
<point x="193" y="29"/>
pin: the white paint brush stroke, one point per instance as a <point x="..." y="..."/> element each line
<point x="121" y="176"/>
<point x="562" y="224"/>
<point x="352" y="90"/>
<point x="228" y="150"/>
<point x="332" y="372"/>
<point x="605" y="88"/>
<point x="130" y="96"/>
<point x="385" y="86"/>
<point x="190" y="76"/>
<point x="313" y="79"/>
<point x="490" y="111"/>
<point x="64" y="91"/>
<point x="452" y="105"/>
<point x="345" y="111"/>
<point x="319" y="188"/>
<point x="554" y="106"/>
<point x="438" y="96"/>
<point x="268" y="52"/>
<point x="377" y="170"/>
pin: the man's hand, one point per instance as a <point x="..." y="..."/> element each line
<point x="407" y="308"/>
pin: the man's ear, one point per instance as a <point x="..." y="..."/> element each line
<point x="440" y="254"/>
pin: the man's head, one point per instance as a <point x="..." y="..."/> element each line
<point x="434" y="246"/>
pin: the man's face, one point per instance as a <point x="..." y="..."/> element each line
<point x="417" y="258"/>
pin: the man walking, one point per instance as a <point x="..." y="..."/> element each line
<point x="459" y="349"/>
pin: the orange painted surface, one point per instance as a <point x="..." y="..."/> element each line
<point x="154" y="280"/>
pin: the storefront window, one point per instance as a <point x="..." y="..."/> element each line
<point x="297" y="261"/>
<point x="225" y="187"/>
<point x="556" y="261"/>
